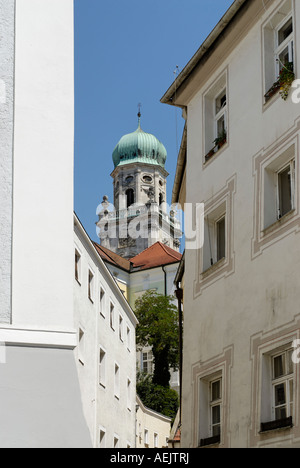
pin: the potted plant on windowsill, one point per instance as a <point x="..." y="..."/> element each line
<point x="273" y="90"/>
<point x="221" y="139"/>
<point x="286" y="78"/>
<point x="284" y="82"/>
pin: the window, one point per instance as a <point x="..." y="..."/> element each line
<point x="129" y="394"/>
<point x="102" y="368"/>
<point x="117" y="381"/>
<point x="155" y="440"/>
<point x="112" y="316"/>
<point x="102" y="302"/>
<point x="215" y="117"/>
<point x="102" y="442"/>
<point x="121" y="328"/>
<point x="285" y="187"/>
<point x="212" y="403"/>
<point x="146" y="438"/>
<point x="81" y="345"/>
<point x="279" y="187"/>
<point x="220" y="234"/>
<point x="77" y="266"/>
<point x="278" y="39"/>
<point x="128" y="335"/>
<point x="147" y="362"/>
<point x="283" y="385"/>
<point x="281" y="400"/>
<point x="129" y="197"/>
<point x="285" y="44"/>
<point x="215" y="407"/>
<point x="91" y="286"/>
<point x="214" y="237"/>
<point x="116" y="441"/>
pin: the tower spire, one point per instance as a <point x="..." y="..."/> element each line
<point x="139" y="114"/>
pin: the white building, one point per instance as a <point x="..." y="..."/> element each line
<point x="106" y="358"/>
<point x="152" y="428"/>
<point x="40" y="394"/>
<point x="241" y="299"/>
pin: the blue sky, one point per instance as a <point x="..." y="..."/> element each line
<point x="126" y="52"/>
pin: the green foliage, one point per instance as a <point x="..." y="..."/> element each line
<point x="161" y="399"/>
<point x="286" y="79"/>
<point x="158" y="328"/>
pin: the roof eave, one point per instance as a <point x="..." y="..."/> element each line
<point x="168" y="97"/>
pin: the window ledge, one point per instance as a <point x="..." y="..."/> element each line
<point x="208" y="159"/>
<point x="216" y="440"/>
<point x="278" y="425"/>
<point x="276" y="225"/>
<point x="213" y="268"/>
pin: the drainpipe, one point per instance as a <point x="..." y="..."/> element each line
<point x="179" y="295"/>
<point x="165" y="279"/>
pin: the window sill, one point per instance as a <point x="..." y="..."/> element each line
<point x="278" y="425"/>
<point x="211" y="441"/>
<point x="277" y="224"/>
<point x="211" y="156"/>
<point x="213" y="268"/>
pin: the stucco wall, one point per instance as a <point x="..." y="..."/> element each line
<point x="7" y="30"/>
<point x="258" y="294"/>
<point x="43" y="164"/>
<point x="38" y="412"/>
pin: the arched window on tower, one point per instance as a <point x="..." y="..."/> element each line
<point x="130" y="197"/>
<point x="161" y="199"/>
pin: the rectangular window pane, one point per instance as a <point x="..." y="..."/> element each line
<point x="221" y="239"/>
<point x="280" y="395"/>
<point x="290" y="364"/>
<point x="285" y="31"/>
<point x="284" y="58"/>
<point x="216" y="390"/>
<point x="285" y="191"/>
<point x="279" y="366"/>
<point x="221" y="101"/>
<point x="216" y="414"/>
<point x="280" y="413"/>
<point x="220" y="126"/>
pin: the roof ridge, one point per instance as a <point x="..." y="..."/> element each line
<point x="165" y="247"/>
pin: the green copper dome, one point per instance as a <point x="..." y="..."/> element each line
<point x="139" y="147"/>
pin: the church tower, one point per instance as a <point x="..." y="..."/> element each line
<point x="140" y="217"/>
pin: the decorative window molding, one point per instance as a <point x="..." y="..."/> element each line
<point x="265" y="410"/>
<point x="215" y="259"/>
<point x="205" y="430"/>
<point x="278" y="42"/>
<point x="269" y="225"/>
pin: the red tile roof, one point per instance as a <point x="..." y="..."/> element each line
<point x="112" y="258"/>
<point x="156" y="255"/>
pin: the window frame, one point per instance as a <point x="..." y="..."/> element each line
<point x="102" y="367"/>
<point x="213" y="404"/>
<point x="289" y="43"/>
<point x="211" y="117"/>
<point x="284" y="379"/>
<point x="91" y="285"/>
<point x="78" y="266"/>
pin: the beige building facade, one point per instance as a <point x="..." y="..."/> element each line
<point x="241" y="296"/>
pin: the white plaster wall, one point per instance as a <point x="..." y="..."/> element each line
<point x="37" y="413"/>
<point x="261" y="294"/>
<point x="7" y="35"/>
<point x="43" y="164"/>
<point x="102" y="409"/>
<point x="155" y="423"/>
